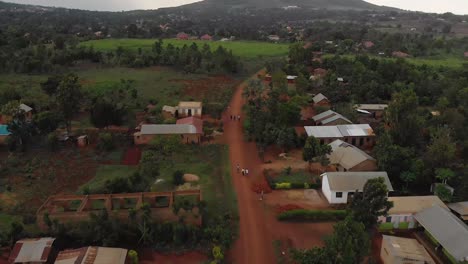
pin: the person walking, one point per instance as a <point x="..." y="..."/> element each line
<point x="238" y="168"/>
<point x="246" y="171"/>
<point x="243" y="172"/>
<point x="261" y="196"/>
<point x="238" y="118"/>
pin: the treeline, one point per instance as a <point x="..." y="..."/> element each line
<point x="189" y="58"/>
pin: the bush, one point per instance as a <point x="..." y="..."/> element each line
<point x="297" y="185"/>
<point x="312" y="215"/>
<point x="133" y="256"/>
<point x="52" y="141"/>
<point x="178" y="178"/>
<point x="106" y="142"/>
<point x="283" y="185"/>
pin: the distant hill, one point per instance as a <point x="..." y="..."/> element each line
<point x="265" y="4"/>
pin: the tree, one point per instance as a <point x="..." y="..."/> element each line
<point x="69" y="98"/>
<point x="442" y="150"/>
<point x="104" y="114"/>
<point x="371" y="203"/>
<point x="313" y="149"/>
<point x="279" y="81"/>
<point x="407" y="177"/>
<point x="51" y="85"/>
<point x="47" y="121"/>
<point x="178" y="178"/>
<point x="443" y="193"/>
<point x="444" y="174"/>
<point x="21" y="132"/>
<point x="286" y="138"/>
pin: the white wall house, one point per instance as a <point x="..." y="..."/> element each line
<point x="339" y="187"/>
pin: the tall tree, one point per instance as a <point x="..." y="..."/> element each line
<point x="69" y="98"/>
<point x="371" y="203"/>
<point x="313" y="150"/>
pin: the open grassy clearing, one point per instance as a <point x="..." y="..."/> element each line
<point x="244" y="49"/>
<point x="448" y="62"/>
<point x="211" y="164"/>
<point x="107" y="173"/>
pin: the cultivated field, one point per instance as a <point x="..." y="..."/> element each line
<point x="438" y="61"/>
<point x="245" y="49"/>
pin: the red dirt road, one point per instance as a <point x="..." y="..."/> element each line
<point x="254" y="244"/>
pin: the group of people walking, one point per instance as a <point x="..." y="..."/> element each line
<point x="245" y="172"/>
<point x="235" y="117"/>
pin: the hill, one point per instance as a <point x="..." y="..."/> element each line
<point x="308" y="4"/>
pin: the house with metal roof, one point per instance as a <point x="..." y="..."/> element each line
<point x="346" y="157"/>
<point x="360" y="135"/>
<point x="92" y="255"/>
<point x="401" y="215"/>
<point x="460" y="209"/>
<point x="399" y="250"/>
<point x="185" y="109"/>
<point x="33" y="250"/>
<point x="321" y="100"/>
<point x="376" y="110"/>
<point x="339" y="187"/>
<point x="189" y="129"/>
<point x="448" y="230"/>
<point x="330" y="118"/>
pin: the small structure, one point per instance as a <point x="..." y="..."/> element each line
<point x="400" y="54"/>
<point x="398" y="250"/>
<point x="368" y="44"/>
<point x="347" y="157"/>
<point x="330" y="118"/>
<point x="401" y="215"/>
<point x="34" y="250"/>
<point x="465" y="54"/>
<point x="93" y="255"/>
<point x="339" y="187"/>
<point x="321" y="100"/>
<point x="376" y="110"/>
<point x="206" y="37"/>
<point x="460" y="209"/>
<point x="359" y="135"/>
<point x="190" y="131"/>
<point x="4" y="133"/>
<point x="447" y="229"/>
<point x="28" y="111"/>
<point x="273" y="37"/>
<point x="82" y="141"/>
<point x="291" y="79"/>
<point x="182" y="36"/>
<point x="185" y="109"/>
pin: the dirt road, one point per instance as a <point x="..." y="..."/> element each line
<point x="254" y="244"/>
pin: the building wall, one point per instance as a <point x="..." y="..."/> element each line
<point x="323" y="103"/>
<point x="185" y="112"/>
<point x="367" y="165"/>
<point x="356" y="141"/>
<point x="331" y="195"/>
<point x="185" y="138"/>
<point x="396" y="219"/>
<point x="337" y="122"/>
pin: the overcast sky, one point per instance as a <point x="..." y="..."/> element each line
<point x="437" y="6"/>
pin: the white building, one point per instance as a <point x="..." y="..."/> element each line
<point x="339" y="187"/>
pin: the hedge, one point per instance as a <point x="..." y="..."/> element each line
<point x="312" y="215"/>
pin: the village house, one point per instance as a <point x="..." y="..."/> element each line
<point x="25" y="109"/>
<point x="321" y="100"/>
<point x="273" y="37"/>
<point x="182" y="36"/>
<point x="368" y="44"/>
<point x="376" y="110"/>
<point x="185" y="109"/>
<point x="206" y="37"/>
<point x="347" y="157"/>
<point x="34" y="250"/>
<point x="359" y="135"/>
<point x="4" y="133"/>
<point x="460" y="209"/>
<point x="448" y="230"/>
<point x="339" y="187"/>
<point x="189" y="129"/>
<point x="93" y="255"/>
<point x="401" y="215"/>
<point x="291" y="79"/>
<point x="330" y="118"/>
<point x="399" y="250"/>
<point x="400" y="54"/>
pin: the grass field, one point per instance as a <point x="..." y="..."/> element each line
<point x="449" y="62"/>
<point x="211" y="164"/>
<point x="105" y="173"/>
<point x="244" y="49"/>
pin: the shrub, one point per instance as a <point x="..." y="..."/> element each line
<point x="297" y="185"/>
<point x="52" y="141"/>
<point x="217" y="254"/>
<point x="133" y="256"/>
<point x="283" y="185"/>
<point x="306" y="185"/>
<point x="178" y="178"/>
<point x="287" y="170"/>
<point x="106" y="142"/>
<point x="312" y="215"/>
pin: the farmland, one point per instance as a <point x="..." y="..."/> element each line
<point x="244" y="49"/>
<point x="439" y="61"/>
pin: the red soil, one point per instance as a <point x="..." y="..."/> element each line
<point x="149" y="257"/>
<point x="132" y="157"/>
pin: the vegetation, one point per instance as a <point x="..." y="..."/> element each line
<point x="107" y="175"/>
<point x="312" y="215"/>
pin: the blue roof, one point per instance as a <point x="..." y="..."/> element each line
<point x="4" y="130"/>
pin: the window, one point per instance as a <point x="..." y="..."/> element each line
<point x="339" y="194"/>
<point x="361" y="141"/>
<point x="388" y="219"/>
<point x="353" y="141"/>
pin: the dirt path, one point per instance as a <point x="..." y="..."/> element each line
<point x="254" y="244"/>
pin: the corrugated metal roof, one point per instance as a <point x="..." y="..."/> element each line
<point x="334" y="118"/>
<point x="347" y="155"/>
<point x="414" y="204"/>
<point x="197" y="122"/>
<point x="92" y="255"/>
<point x="372" y="107"/>
<point x="352" y="181"/>
<point x="447" y="229"/>
<point x="319" y="97"/>
<point x="461" y="207"/>
<point x="170" y="109"/>
<point x="168" y="129"/>
<point x="407" y="248"/>
<point x="356" y="130"/>
<point x="32" y="250"/>
<point x="190" y="104"/>
<point x="323" y="131"/>
<point x="25" y="108"/>
<point x="325" y="114"/>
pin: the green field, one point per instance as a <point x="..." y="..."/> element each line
<point x="105" y="173"/>
<point x="449" y="62"/>
<point x="211" y="164"/>
<point x="244" y="49"/>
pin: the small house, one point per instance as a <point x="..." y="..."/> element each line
<point x="291" y="79"/>
<point x="400" y="54"/>
<point x="273" y="37"/>
<point x="189" y="109"/>
<point x="189" y="129"/>
<point x="182" y="36"/>
<point x="4" y="133"/>
<point x="460" y="209"/>
<point x="401" y="215"/>
<point x="359" y="135"/>
<point x="368" y="44"/>
<point x="339" y="187"/>
<point x="330" y="118"/>
<point x="321" y="100"/>
<point x="347" y="157"/>
<point x="399" y="250"/>
<point x="376" y="110"/>
<point x="33" y="250"/>
<point x="206" y="37"/>
<point x="93" y="255"/>
<point x="446" y="230"/>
